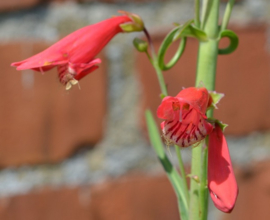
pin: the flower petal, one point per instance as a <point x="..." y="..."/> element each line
<point x="221" y="180"/>
<point x="196" y="97"/>
<point x="165" y="110"/>
<point x="80" y="46"/>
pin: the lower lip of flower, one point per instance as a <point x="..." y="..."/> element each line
<point x="182" y="134"/>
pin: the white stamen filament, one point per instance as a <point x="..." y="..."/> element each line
<point x="180" y="114"/>
<point x="41" y="70"/>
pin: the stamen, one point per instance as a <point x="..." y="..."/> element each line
<point x="41" y="70"/>
<point x="180" y="113"/>
<point x="68" y="86"/>
<point x="71" y="83"/>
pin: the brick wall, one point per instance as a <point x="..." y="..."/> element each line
<point x="83" y="154"/>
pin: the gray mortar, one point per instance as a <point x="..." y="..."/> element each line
<point x="124" y="147"/>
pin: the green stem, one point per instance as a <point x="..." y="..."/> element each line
<point x="206" y="71"/>
<point x="205" y="8"/>
<point x="197" y="13"/>
<point x="227" y="15"/>
<point x="203" y="186"/>
<point x="161" y="81"/>
<point x="182" y="171"/>
<point x="154" y="62"/>
<point x="194" y="204"/>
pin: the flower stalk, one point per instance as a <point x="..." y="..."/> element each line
<point x="206" y="73"/>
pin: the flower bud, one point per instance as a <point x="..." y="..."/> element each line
<point x="140" y="45"/>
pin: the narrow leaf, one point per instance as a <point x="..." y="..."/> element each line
<point x="172" y="174"/>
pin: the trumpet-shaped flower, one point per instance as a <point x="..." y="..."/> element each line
<point x="74" y="55"/>
<point x="185" y="120"/>
<point x="221" y="180"/>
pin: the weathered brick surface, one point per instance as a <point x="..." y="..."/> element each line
<point x="129" y="198"/>
<point x="40" y="121"/>
<point x="48" y="204"/>
<point x="11" y="5"/>
<point x="132" y="198"/>
<point x="243" y="76"/>
<point x="254" y="193"/>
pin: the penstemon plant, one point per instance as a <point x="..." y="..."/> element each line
<point x="187" y="118"/>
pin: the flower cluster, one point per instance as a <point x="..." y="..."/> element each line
<point x="185" y="123"/>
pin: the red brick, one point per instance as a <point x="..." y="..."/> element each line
<point x="129" y="198"/>
<point x="48" y="204"/>
<point x="254" y="193"/>
<point x="44" y="123"/>
<point x="135" y="197"/>
<point x="243" y="76"/>
<point x="10" y="5"/>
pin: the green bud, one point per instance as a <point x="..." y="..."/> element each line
<point x="140" y="45"/>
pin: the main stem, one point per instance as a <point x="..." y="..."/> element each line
<point x="206" y="71"/>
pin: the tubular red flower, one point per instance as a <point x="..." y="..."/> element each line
<point x="221" y="180"/>
<point x="185" y="121"/>
<point x="74" y="54"/>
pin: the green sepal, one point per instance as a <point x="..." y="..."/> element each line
<point x="140" y="44"/>
<point x="234" y="41"/>
<point x="217" y="122"/>
<point x="135" y="25"/>
<point x="216" y="97"/>
<point x="162" y="96"/>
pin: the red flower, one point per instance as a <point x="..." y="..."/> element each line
<point x="75" y="54"/>
<point x="185" y="124"/>
<point x="185" y="120"/>
<point x="221" y="180"/>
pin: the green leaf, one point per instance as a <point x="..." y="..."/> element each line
<point x="172" y="174"/>
<point x="233" y="42"/>
<point x="181" y="31"/>
<point x="188" y="30"/>
<point x="169" y="39"/>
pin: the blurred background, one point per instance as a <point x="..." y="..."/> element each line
<point x="83" y="154"/>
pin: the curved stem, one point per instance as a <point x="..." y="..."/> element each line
<point x="154" y="62"/>
<point x="149" y="39"/>
<point x="161" y="81"/>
